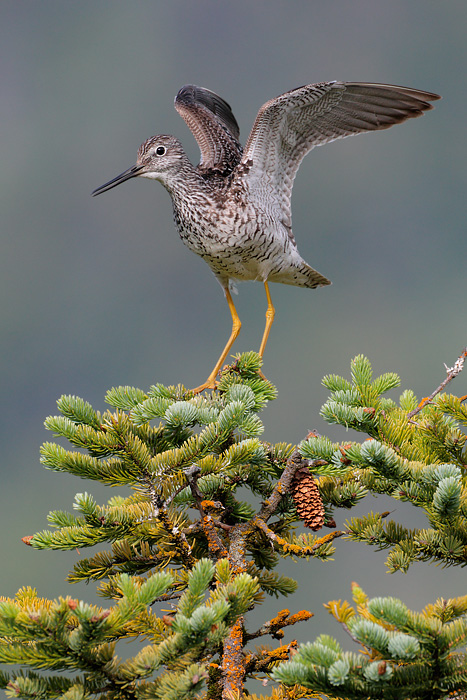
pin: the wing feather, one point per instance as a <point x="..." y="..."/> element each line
<point x="214" y="127"/>
<point x="289" y="126"/>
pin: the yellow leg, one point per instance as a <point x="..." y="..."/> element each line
<point x="210" y="382"/>
<point x="270" y="313"/>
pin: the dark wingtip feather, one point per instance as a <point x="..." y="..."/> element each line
<point x="193" y="95"/>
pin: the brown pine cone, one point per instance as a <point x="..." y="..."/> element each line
<point x="307" y="499"/>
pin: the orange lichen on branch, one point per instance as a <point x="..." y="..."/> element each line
<point x="264" y="660"/>
<point x="283" y="652"/>
<point x="329" y="538"/>
<point x="309" y="551"/>
<point x="237" y="546"/>
<point x="301" y="616"/>
<point x="424" y="401"/>
<point x="284" y="618"/>
<point x="210" y="506"/>
<point x="280" y="618"/>
<point x="233" y="663"/>
<point x="289" y="548"/>
<point x="295" y="549"/>
<point x="214" y="542"/>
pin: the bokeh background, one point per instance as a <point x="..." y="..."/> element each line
<point x="101" y="292"/>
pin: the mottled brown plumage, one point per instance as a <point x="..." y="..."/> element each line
<point x="233" y="209"/>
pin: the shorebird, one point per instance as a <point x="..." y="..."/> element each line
<point x="233" y="209"/>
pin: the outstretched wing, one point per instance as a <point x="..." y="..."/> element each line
<point x="289" y="126"/>
<point x="214" y="127"/>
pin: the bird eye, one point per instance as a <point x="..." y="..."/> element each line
<point x="160" y="150"/>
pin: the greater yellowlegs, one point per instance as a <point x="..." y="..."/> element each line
<point x="233" y="209"/>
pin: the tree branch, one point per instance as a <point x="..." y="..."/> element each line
<point x="451" y="372"/>
<point x="282" y="487"/>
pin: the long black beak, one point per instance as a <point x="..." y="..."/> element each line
<point x="126" y="175"/>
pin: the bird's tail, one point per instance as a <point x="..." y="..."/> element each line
<point x="300" y="275"/>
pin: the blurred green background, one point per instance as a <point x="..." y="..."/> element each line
<point x="101" y="292"/>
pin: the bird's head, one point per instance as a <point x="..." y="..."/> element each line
<point x="159" y="158"/>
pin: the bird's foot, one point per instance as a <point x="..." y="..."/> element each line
<point x="212" y="382"/>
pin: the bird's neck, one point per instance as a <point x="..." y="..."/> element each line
<point x="182" y="180"/>
<point x="188" y="189"/>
